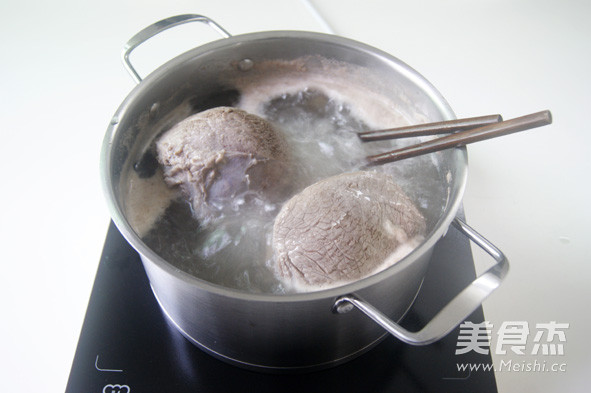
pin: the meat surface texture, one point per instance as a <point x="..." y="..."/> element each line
<point x="222" y="158"/>
<point x="342" y="229"/>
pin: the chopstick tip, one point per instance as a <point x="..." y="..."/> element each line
<point x="548" y="115"/>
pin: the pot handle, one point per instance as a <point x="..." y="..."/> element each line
<point x="455" y="312"/>
<point x="159" y="27"/>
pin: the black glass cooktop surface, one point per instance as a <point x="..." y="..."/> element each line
<point x="127" y="345"/>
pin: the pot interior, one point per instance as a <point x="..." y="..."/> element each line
<point x="270" y="74"/>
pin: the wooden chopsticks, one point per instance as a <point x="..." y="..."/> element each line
<point x="464" y="131"/>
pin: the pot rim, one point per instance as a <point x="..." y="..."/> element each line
<point x="118" y="217"/>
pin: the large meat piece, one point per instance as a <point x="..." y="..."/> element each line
<point x="342" y="229"/>
<point x="223" y="158"/>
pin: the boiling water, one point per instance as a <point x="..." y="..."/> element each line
<point x="234" y="251"/>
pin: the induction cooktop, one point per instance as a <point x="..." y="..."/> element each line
<point x="126" y="344"/>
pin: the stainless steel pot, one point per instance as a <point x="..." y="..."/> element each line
<point x="299" y="331"/>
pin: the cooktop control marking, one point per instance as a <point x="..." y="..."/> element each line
<point x="105" y="369"/>
<point x="116" y="389"/>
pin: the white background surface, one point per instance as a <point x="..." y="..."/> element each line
<point x="61" y="80"/>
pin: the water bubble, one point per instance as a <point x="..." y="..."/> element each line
<point x="245" y="65"/>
